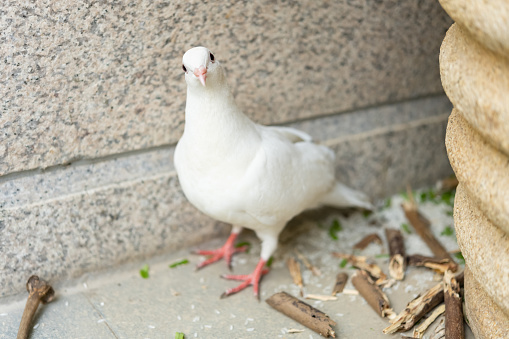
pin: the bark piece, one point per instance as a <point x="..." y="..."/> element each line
<point x="364" y="242"/>
<point x="454" y="328"/>
<point x="372" y="294"/>
<point x="418" y="307"/>
<point x="397" y="264"/>
<point x="436" y="264"/>
<point x="422" y="227"/>
<point x="419" y="331"/>
<point x="303" y="313"/>
<point x="361" y="263"/>
<point x="341" y="280"/>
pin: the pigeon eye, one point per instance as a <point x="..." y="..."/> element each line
<point x="211" y="57"/>
<point x="184" y="68"/>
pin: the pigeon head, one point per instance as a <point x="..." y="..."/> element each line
<point x="200" y="67"/>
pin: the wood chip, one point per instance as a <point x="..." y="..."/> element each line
<point x="422" y="227"/>
<point x="341" y="280"/>
<point x="303" y="313"/>
<point x="419" y="331"/>
<point x="418" y="307"/>
<point x="439" y="330"/>
<point x="397" y="264"/>
<point x="308" y="265"/>
<point x="364" y="242"/>
<point x="436" y="264"/>
<point x="454" y="327"/>
<point x="294" y="330"/>
<point x="320" y="297"/>
<point x="372" y="294"/>
<point x="350" y="292"/>
<point x="294" y="268"/>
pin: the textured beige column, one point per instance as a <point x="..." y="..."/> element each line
<point x="474" y="68"/>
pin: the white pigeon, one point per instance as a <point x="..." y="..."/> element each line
<point x="246" y="174"/>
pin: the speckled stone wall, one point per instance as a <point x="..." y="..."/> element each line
<point x="93" y="97"/>
<point x="94" y="78"/>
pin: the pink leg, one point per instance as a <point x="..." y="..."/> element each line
<point x="249" y="279"/>
<point x="226" y="251"/>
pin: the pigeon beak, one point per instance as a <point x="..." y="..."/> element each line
<point x="201" y="73"/>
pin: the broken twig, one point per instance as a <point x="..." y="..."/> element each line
<point x="436" y="264"/>
<point x="454" y="328"/>
<point x="341" y="280"/>
<point x="294" y="268"/>
<point x="372" y="294"/>
<point x="418" y="307"/>
<point x="39" y="291"/>
<point x="320" y="297"/>
<point x="308" y="265"/>
<point x="397" y="265"/>
<point x="422" y="227"/>
<point x="419" y="331"/>
<point x="361" y="263"/>
<point x="303" y="313"/>
<point x="364" y="242"/>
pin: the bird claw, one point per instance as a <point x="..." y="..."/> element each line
<point x="226" y="252"/>
<point x="247" y="280"/>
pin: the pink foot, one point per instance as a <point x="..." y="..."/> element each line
<point x="226" y="251"/>
<point x="248" y="279"/>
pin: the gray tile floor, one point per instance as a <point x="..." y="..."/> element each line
<point x="120" y="304"/>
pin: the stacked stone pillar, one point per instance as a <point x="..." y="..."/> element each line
<point x="474" y="67"/>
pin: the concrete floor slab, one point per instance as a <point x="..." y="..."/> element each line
<point x="121" y="304"/>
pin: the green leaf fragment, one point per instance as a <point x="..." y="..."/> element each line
<point x="448" y="231"/>
<point x="366" y="214"/>
<point x="179" y="335"/>
<point x="334" y="228"/>
<point x="269" y="262"/>
<point x="178" y="263"/>
<point x="460" y="258"/>
<point x="144" y="271"/>
<point x="448" y="198"/>
<point x="388" y="203"/>
<point x="343" y="263"/>
<point x="406" y="228"/>
<point x="382" y="255"/>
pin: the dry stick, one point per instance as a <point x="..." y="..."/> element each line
<point x="437" y="264"/>
<point x="422" y="227"/>
<point x="372" y="294"/>
<point x="294" y="268"/>
<point x="454" y="328"/>
<point x="397" y="265"/>
<point x="418" y="307"/>
<point x="39" y="291"/>
<point x="341" y="280"/>
<point x="419" y="331"/>
<point x="364" y="242"/>
<point x="308" y="265"/>
<point x="303" y="313"/>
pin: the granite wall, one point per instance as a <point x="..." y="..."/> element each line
<point x="93" y="98"/>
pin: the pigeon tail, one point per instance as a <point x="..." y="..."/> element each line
<point x="344" y="196"/>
